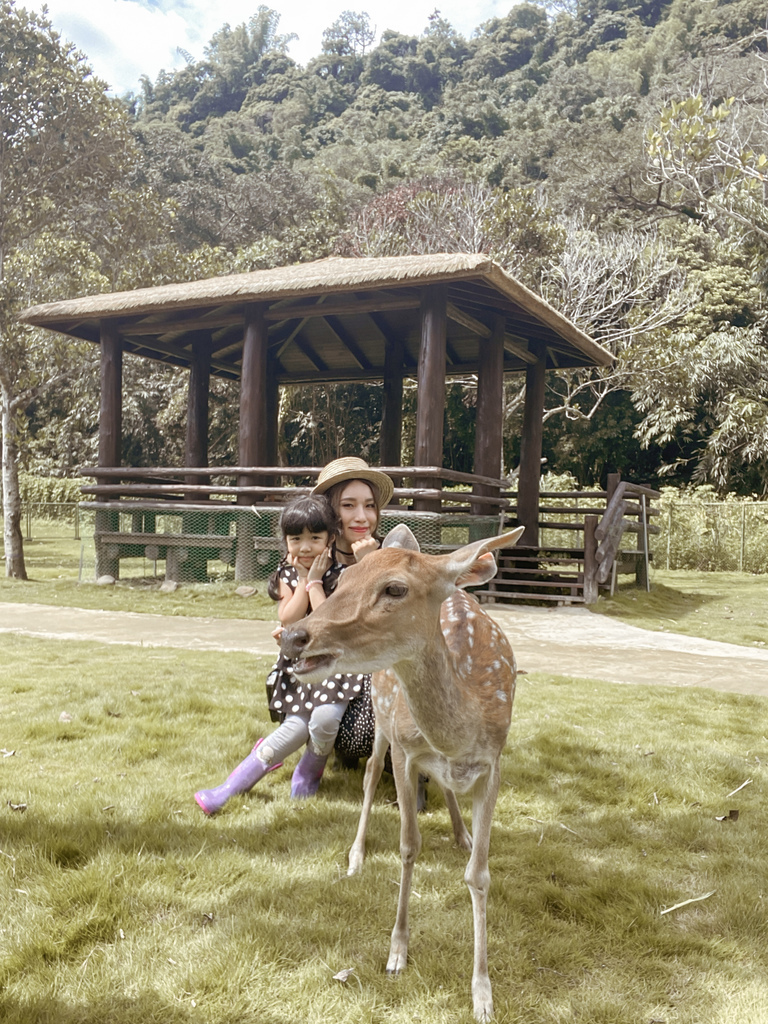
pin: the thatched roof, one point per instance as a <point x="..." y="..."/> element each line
<point x="330" y="320"/>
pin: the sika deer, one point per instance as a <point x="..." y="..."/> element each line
<point x="442" y="692"/>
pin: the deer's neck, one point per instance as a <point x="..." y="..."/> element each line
<point x="436" y="694"/>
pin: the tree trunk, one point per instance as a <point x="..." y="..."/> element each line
<point x="12" y="537"/>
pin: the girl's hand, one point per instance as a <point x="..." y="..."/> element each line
<point x="361" y="548"/>
<point x="320" y="565"/>
<point x="303" y="573"/>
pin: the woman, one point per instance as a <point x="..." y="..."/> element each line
<point x="357" y="494"/>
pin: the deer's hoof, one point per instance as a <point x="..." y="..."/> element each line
<point x="482" y="1000"/>
<point x="396" y="963"/>
<point x="355" y="863"/>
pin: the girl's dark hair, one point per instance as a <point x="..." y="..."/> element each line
<point x="312" y="512"/>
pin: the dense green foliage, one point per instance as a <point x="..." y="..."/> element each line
<point x="609" y="153"/>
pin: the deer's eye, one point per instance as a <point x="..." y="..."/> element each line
<point x="396" y="590"/>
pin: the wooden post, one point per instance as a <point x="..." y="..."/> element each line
<point x="273" y="415"/>
<point x="431" y="388"/>
<point x="196" y="451"/>
<point x="195" y="454"/>
<point x="613" y="481"/>
<point x="254" y="432"/>
<point x="489" y="421"/>
<point x="111" y="408"/>
<point x="642" y="575"/>
<point x="110" y="440"/>
<point x="530" y="448"/>
<point x="591" y="588"/>
<point x="390" y="448"/>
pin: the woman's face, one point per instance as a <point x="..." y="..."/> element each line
<point x="358" y="513"/>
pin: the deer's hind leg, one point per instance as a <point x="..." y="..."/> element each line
<point x="406" y="781"/>
<point x="461" y="833"/>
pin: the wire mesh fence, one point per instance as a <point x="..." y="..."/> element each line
<point x="197" y="544"/>
<point x="713" y="536"/>
<point x="706" y="536"/>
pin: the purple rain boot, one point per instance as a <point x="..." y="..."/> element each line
<point x="243" y="778"/>
<point x="307" y="774"/>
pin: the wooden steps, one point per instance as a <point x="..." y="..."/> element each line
<point x="531" y="574"/>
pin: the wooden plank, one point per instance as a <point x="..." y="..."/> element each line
<point x="516" y="348"/>
<point x="466" y="320"/>
<point x="391" y="444"/>
<point x="309" y="352"/>
<point x="591" y="588"/>
<point x="530" y="448"/>
<point x="198" y="389"/>
<point x="489" y="421"/>
<point x="428" y="450"/>
<point x="344" y="336"/>
<point x="141" y="472"/>
<point x="111" y="407"/>
<point x="614" y="513"/>
<point x="198" y="540"/>
<point x="253" y="430"/>
<point x="519" y="596"/>
<point x="344" y="307"/>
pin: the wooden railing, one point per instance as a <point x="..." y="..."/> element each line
<point x="167" y="484"/>
<point x="603" y="518"/>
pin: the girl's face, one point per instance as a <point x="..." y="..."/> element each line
<point x="358" y="513"/>
<point x="307" y="545"/>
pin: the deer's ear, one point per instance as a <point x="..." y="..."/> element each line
<point x="478" y="572"/>
<point x="401" y="537"/>
<point x="473" y="565"/>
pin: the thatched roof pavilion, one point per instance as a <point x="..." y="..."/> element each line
<point x="339" y="319"/>
<point x="330" y="320"/>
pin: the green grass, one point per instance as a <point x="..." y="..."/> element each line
<point x="727" y="606"/>
<point x="121" y="902"/>
<point x="53" y="557"/>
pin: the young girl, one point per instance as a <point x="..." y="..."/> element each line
<point x="312" y="714"/>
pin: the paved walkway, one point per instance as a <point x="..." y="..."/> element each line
<point x="566" y="641"/>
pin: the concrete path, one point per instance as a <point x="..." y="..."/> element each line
<point x="565" y="641"/>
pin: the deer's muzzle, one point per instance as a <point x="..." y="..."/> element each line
<point x="294" y="644"/>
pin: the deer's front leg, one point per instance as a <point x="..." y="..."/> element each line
<point x="478" y="880"/>
<point x="373" y="770"/>
<point x="406" y="780"/>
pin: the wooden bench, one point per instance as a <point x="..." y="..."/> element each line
<point x="175" y="548"/>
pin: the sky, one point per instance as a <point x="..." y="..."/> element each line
<point x="125" y="39"/>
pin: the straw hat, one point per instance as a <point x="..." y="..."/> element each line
<point x="355" y="469"/>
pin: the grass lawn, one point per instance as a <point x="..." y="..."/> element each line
<point x="727" y="606"/>
<point x="53" y="558"/>
<point x="121" y="902"/>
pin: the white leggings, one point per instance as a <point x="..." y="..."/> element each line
<point x="319" y="726"/>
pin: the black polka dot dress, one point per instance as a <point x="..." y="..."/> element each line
<point x="290" y="696"/>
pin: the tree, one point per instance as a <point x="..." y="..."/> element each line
<point x="61" y="140"/>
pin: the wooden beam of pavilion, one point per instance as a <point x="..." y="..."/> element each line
<point x="341" y="332"/>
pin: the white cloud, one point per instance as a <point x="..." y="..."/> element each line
<point x="125" y="39"/>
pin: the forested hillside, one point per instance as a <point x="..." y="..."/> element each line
<point x="609" y="153"/>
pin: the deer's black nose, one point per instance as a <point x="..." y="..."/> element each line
<point x="293" y="641"/>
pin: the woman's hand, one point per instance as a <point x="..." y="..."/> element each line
<point x="320" y="565"/>
<point x="361" y="548"/>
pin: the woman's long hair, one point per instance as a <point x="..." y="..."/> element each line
<point x="311" y="512"/>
